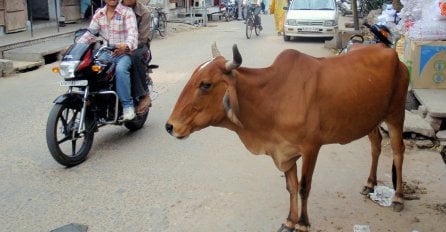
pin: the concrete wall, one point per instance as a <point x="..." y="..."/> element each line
<point x="52" y="9"/>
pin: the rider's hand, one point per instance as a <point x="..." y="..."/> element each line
<point x="121" y="48"/>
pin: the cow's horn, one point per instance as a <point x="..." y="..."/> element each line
<point x="237" y="59"/>
<point x="215" y="51"/>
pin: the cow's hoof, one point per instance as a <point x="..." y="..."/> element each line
<point x="366" y="190"/>
<point x="285" y="228"/>
<point x="301" y="228"/>
<point x="397" y="206"/>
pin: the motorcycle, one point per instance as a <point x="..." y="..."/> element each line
<point x="90" y="102"/>
<point x="381" y="34"/>
<point x="229" y="10"/>
<point x="345" y="7"/>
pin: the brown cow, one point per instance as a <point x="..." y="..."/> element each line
<point x="299" y="103"/>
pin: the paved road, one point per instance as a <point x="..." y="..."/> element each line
<point x="149" y="181"/>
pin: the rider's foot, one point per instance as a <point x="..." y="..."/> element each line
<point x="128" y="113"/>
<point x="144" y="104"/>
<point x="260" y="27"/>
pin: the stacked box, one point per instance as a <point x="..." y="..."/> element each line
<point x="426" y="61"/>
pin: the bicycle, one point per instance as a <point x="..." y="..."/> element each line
<point x="251" y="23"/>
<point x="158" y="22"/>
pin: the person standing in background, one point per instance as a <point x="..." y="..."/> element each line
<point x="276" y="8"/>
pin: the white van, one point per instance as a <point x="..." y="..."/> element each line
<point x="310" y="18"/>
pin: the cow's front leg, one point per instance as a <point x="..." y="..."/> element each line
<point x="375" y="141"/>
<point x="309" y="158"/>
<point x="292" y="187"/>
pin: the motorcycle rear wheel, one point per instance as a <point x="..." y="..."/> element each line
<point x="68" y="147"/>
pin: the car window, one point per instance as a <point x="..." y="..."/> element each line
<point x="312" y="5"/>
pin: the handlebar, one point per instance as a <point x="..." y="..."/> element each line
<point x="110" y="48"/>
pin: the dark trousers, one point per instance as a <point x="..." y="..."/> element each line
<point x="139" y="64"/>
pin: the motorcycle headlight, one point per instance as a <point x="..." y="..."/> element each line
<point x="67" y="68"/>
<point x="330" y="23"/>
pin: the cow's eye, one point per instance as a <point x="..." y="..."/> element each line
<point x="205" y="86"/>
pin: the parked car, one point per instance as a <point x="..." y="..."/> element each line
<point x="310" y="18"/>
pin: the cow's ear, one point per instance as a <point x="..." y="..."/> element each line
<point x="230" y="103"/>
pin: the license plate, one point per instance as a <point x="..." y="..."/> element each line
<point x="310" y="29"/>
<point x="74" y="83"/>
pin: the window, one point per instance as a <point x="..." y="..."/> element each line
<point x="312" y="5"/>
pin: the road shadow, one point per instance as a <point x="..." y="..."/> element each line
<point x="313" y="40"/>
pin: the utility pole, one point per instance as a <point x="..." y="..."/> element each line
<point x="355" y="14"/>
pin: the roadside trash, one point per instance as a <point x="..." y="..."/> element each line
<point x="361" y="228"/>
<point x="382" y="195"/>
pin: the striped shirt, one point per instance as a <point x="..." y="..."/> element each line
<point x="122" y="28"/>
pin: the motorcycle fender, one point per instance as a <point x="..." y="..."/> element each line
<point x="70" y="99"/>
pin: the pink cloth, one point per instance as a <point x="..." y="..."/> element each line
<point x="122" y="28"/>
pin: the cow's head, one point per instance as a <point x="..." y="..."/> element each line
<point x="209" y="97"/>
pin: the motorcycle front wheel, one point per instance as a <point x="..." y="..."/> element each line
<point x="66" y="145"/>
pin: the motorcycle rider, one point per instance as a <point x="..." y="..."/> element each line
<point x="117" y="24"/>
<point x="141" y="56"/>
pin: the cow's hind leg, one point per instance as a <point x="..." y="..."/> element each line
<point x="397" y="143"/>
<point x="375" y="141"/>
<point x="292" y="187"/>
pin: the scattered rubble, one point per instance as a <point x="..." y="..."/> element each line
<point x="6" y="67"/>
<point x="412" y="190"/>
<point x="424" y="144"/>
<point x="443" y="154"/>
<point x="441" y="207"/>
<point x="424" y="128"/>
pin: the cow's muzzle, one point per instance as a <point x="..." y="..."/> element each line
<point x="170" y="130"/>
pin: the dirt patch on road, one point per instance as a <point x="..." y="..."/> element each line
<point x="413" y="190"/>
<point x="441" y="208"/>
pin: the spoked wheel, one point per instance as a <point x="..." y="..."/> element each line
<point x="162" y="25"/>
<point x="249" y="27"/>
<point x="152" y="32"/>
<point x="153" y="28"/>
<point x="66" y="145"/>
<point x="226" y="16"/>
<point x="257" y="30"/>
